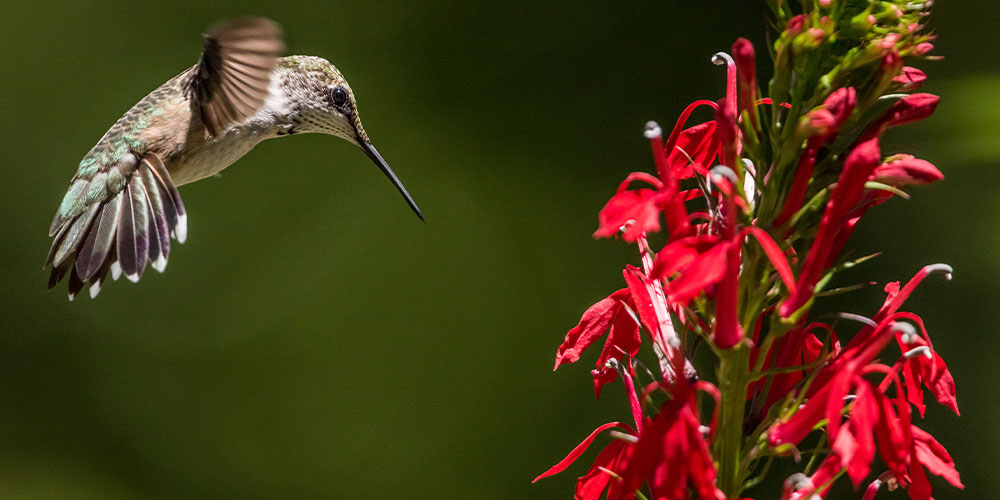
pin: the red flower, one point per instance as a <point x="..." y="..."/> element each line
<point x="636" y="210"/>
<point x="857" y="168"/>
<point x="672" y="455"/>
<point x="697" y="261"/>
<point x="605" y="472"/>
<point x="612" y="314"/>
<point x="928" y="370"/>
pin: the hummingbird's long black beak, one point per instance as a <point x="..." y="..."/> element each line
<point x="384" y="167"/>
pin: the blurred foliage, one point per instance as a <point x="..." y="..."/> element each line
<point x="314" y="340"/>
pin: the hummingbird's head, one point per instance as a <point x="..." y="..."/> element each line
<point x="316" y="98"/>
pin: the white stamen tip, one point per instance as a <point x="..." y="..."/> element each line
<point x="95" y="288"/>
<point x="722" y="171"/>
<point x="797" y="481"/>
<point x="116" y="270"/>
<point x="907" y="332"/>
<point x="653" y="130"/>
<point x="721" y="58"/>
<point x="624" y="437"/>
<point x="919" y="351"/>
<point x="134" y="278"/>
<point x="940" y="268"/>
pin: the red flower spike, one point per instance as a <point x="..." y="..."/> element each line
<point x="593" y="324"/>
<point x="905" y="170"/>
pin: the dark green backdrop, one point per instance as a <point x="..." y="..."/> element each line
<point x="313" y="339"/>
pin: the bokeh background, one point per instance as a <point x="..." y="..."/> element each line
<point x="313" y="339"/>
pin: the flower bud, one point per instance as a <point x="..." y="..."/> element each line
<point x="905" y="170"/>
<point x="909" y="79"/>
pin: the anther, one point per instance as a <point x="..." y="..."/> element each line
<point x="797" y="482"/>
<point x="940" y="268"/>
<point x="722" y="171"/>
<point x="653" y="130"/>
<point x="722" y="58"/>
<point x="623" y="436"/>
<point x="852" y="317"/>
<point x="918" y="351"/>
<point x="907" y="332"/>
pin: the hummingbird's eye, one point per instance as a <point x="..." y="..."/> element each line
<point x="338" y="95"/>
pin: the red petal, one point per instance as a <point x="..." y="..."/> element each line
<point x="694" y="150"/>
<point x="623" y="340"/>
<point x="637" y="205"/>
<point x="593" y="324"/>
<point x="932" y="455"/>
<point x="775" y="255"/>
<point x="580" y="448"/>
<point x="680" y="253"/>
<point x="595" y="481"/>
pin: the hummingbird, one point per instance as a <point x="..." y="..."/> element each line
<point x="123" y="208"/>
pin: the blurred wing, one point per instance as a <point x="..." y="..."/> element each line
<point x="117" y="220"/>
<point x="231" y="79"/>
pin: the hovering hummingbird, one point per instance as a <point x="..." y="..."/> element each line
<point x="122" y="206"/>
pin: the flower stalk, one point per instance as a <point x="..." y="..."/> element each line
<point x="757" y="205"/>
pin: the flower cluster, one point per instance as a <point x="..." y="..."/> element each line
<point x="757" y="204"/>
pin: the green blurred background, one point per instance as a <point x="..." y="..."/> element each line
<point x="313" y="339"/>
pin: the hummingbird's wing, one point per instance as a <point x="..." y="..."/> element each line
<point x="117" y="219"/>
<point x="230" y="82"/>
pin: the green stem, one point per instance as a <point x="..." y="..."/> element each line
<point x="733" y="381"/>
